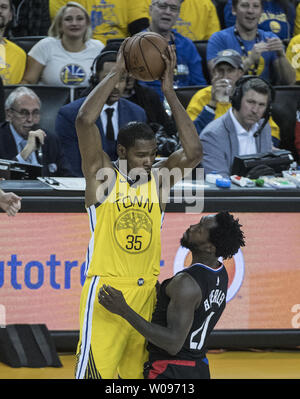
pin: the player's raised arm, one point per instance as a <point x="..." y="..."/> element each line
<point x="190" y="155"/>
<point x="90" y="145"/>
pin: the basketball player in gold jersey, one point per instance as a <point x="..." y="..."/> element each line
<point x="125" y="201"/>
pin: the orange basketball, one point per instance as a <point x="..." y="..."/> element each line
<point x="142" y="53"/>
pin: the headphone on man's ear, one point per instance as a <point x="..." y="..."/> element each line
<point x="237" y="95"/>
<point x="94" y="79"/>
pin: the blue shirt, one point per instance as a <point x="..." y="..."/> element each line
<point x="189" y="65"/>
<point x="273" y="18"/>
<point x="226" y="39"/>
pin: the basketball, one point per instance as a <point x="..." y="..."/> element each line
<point x="142" y="53"/>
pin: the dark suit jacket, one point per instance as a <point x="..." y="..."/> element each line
<point x="52" y="152"/>
<point x="66" y="131"/>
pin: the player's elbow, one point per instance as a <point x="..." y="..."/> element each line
<point x="82" y="119"/>
<point x="196" y="155"/>
<point x="173" y="351"/>
<point x="174" y="346"/>
<point x="198" y="152"/>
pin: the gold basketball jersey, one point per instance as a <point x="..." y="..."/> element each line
<point x="125" y="231"/>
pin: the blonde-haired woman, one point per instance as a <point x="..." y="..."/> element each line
<point x="64" y="58"/>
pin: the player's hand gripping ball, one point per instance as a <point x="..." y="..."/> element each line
<point x="142" y="54"/>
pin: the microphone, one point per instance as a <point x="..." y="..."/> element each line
<point x="38" y="145"/>
<point x="259" y="130"/>
<point x="267" y="117"/>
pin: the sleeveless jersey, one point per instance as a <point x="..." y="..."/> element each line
<point x="213" y="284"/>
<point x="125" y="231"/>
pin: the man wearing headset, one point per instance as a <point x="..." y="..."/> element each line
<point x="123" y="112"/>
<point x="242" y="130"/>
<point x="211" y="102"/>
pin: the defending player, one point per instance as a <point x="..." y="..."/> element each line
<point x="125" y="202"/>
<point x="189" y="304"/>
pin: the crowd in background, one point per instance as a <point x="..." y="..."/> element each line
<point x="71" y="36"/>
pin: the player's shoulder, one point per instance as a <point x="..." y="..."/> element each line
<point x="183" y="285"/>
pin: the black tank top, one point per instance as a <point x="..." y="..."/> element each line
<point x="213" y="284"/>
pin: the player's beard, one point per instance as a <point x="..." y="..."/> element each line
<point x="184" y="242"/>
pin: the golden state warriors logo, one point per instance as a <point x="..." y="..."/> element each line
<point x="72" y="75"/>
<point x="275" y="27"/>
<point x="133" y="231"/>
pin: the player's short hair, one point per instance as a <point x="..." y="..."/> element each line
<point x="134" y="131"/>
<point x="227" y="236"/>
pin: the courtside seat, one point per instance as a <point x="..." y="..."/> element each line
<point x="52" y="98"/>
<point x="26" y="42"/>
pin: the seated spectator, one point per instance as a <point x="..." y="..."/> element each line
<point x="65" y="57"/>
<point x="197" y="20"/>
<point x="213" y="101"/>
<point x="278" y="16"/>
<point x="111" y="19"/>
<point x="31" y="18"/>
<point x="242" y="130"/>
<point x="293" y="55"/>
<point x="124" y="111"/>
<point x="189" y="68"/>
<point x="12" y="57"/>
<point x="263" y="52"/>
<point x="22" y="140"/>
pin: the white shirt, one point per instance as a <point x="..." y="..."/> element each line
<point x="62" y="67"/>
<point x="115" y="118"/>
<point x="247" y="144"/>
